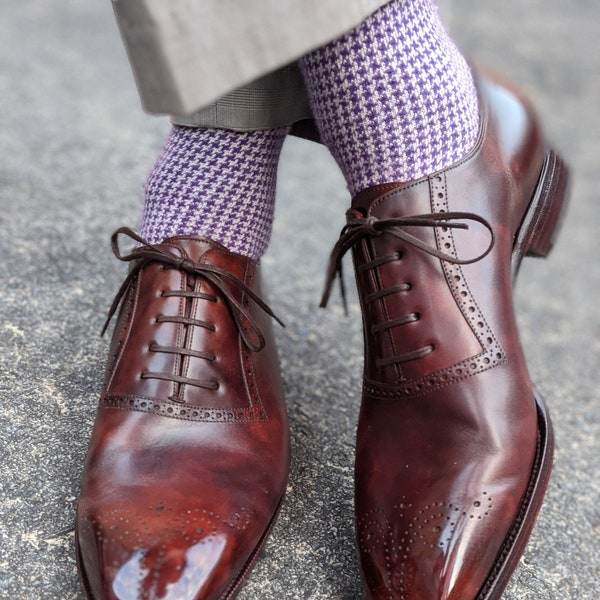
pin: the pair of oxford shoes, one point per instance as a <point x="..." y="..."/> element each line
<point x="189" y="456"/>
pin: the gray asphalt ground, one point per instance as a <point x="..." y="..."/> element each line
<point x="74" y="151"/>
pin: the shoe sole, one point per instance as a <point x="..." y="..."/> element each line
<point x="543" y="219"/>
<point x="517" y="539"/>
<point x="536" y="236"/>
<point x="229" y="594"/>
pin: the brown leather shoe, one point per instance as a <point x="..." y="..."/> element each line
<point x="454" y="445"/>
<point x="189" y="456"/>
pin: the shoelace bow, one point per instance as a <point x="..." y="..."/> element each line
<point x="218" y="278"/>
<point x="359" y="227"/>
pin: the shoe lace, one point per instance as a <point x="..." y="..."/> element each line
<point x="359" y="227"/>
<point x="219" y="279"/>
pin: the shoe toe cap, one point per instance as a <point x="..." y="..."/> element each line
<point x="132" y="556"/>
<point x="433" y="550"/>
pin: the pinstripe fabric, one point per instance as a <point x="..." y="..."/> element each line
<point x="185" y="54"/>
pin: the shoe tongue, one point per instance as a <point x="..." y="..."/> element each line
<point x="193" y="247"/>
<point x="397" y="198"/>
<point x="363" y="200"/>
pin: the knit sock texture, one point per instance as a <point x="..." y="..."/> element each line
<point x="217" y="184"/>
<point x="394" y="99"/>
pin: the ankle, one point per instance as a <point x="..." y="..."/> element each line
<point x="217" y="184"/>
<point x="403" y="107"/>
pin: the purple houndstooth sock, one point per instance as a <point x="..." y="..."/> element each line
<point x="394" y="99"/>
<point x="217" y="184"/>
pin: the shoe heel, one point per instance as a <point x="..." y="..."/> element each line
<point x="541" y="224"/>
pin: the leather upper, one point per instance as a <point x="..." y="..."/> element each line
<point x="448" y="428"/>
<point x="189" y="455"/>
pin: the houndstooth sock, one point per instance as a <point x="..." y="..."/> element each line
<point x="394" y="99"/>
<point x="217" y="184"/>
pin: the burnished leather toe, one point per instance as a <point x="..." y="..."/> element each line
<point x="454" y="445"/>
<point x="189" y="456"/>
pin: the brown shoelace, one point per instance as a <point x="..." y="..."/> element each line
<point x="218" y="278"/>
<point x="358" y="228"/>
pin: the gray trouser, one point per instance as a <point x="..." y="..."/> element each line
<point x="275" y="100"/>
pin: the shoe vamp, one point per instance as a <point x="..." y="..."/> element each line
<point x="440" y="480"/>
